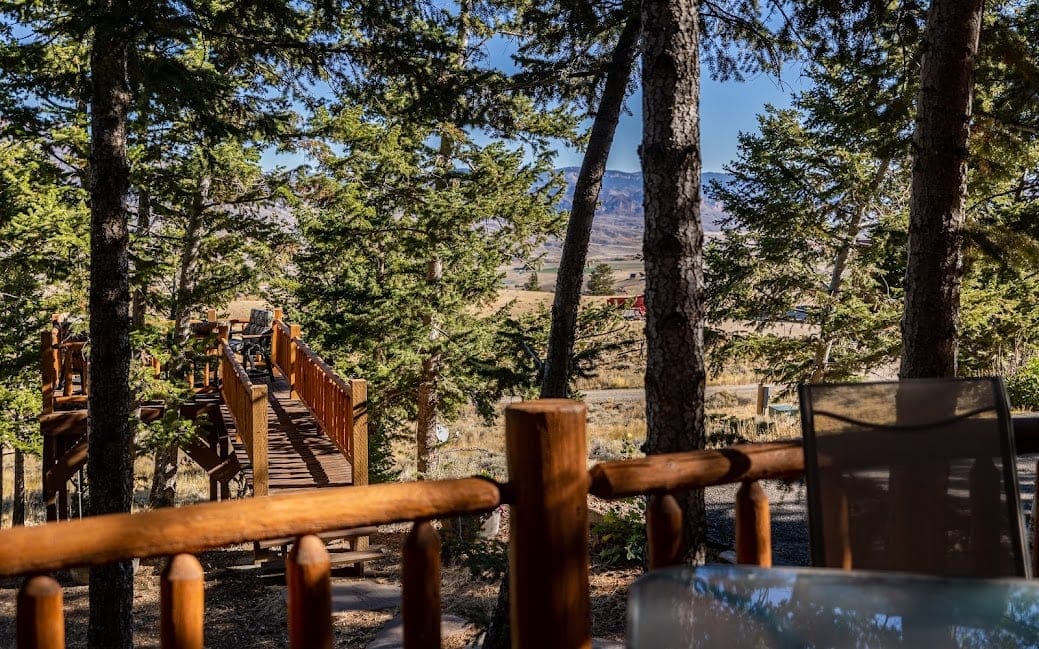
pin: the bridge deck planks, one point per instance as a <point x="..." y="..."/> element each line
<point x="299" y="454"/>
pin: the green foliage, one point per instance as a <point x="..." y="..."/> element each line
<point x="43" y="264"/>
<point x="600" y="280"/>
<point x="382" y="212"/>
<point x="148" y="388"/>
<point x="1023" y="386"/>
<point x="619" y="539"/>
<point x="19" y="409"/>
<point x="532" y="282"/>
<point x="808" y="229"/>
<point x="601" y="338"/>
<point x="485" y="559"/>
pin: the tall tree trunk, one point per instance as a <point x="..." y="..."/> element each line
<point x="570" y="277"/>
<point x="18" y="490"/>
<point x="184" y="295"/>
<point x="428" y="393"/>
<point x="673" y="243"/>
<point x="163" y="491"/>
<point x="110" y="468"/>
<point x="824" y="344"/>
<point x="930" y="325"/>
<point x="139" y="307"/>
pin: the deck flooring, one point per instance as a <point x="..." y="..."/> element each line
<point x="299" y="454"/>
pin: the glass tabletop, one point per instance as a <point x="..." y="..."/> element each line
<point x="744" y="606"/>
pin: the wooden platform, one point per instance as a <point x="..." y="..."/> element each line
<point x="300" y="456"/>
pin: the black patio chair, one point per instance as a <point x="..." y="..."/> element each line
<point x="913" y="475"/>
<point x="254" y="339"/>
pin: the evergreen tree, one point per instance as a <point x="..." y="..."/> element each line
<point x="380" y="212"/>
<point x="532" y="282"/>
<point x="128" y="43"/>
<point x="810" y="212"/>
<point x="600" y="280"/>
<point x="43" y="270"/>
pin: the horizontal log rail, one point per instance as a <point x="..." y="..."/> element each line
<point x="697" y="469"/>
<point x="206" y="526"/>
<point x="247" y="404"/>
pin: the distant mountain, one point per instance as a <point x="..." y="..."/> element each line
<point x="619" y="223"/>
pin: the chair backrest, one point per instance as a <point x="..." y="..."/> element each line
<point x="913" y="475"/>
<point x="260" y="321"/>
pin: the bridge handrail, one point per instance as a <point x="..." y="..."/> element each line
<point x="247" y="404"/>
<point x="339" y="405"/>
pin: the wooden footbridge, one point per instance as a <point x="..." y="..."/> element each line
<point x="294" y="426"/>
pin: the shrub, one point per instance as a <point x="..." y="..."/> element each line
<point x="1023" y="386"/>
<point x="619" y="539"/>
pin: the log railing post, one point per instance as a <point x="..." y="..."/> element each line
<point x="420" y="576"/>
<point x="309" y="580"/>
<point x="358" y="423"/>
<point x="67" y="356"/>
<point x="182" y="604"/>
<point x="753" y="526"/>
<point x="258" y="421"/>
<point x="548" y="553"/>
<point x="293" y="367"/>
<point x="663" y="531"/>
<point x="50" y="366"/>
<point x="40" y="618"/>
<point x="276" y="341"/>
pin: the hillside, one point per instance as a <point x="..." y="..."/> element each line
<point x="616" y="232"/>
<point x="618" y="223"/>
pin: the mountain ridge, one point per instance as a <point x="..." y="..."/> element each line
<point x="619" y="222"/>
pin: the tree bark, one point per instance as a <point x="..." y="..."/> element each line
<point x="18" y="489"/>
<point x="567" y="298"/>
<point x="930" y="325"/>
<point x="110" y="468"/>
<point x="163" y="491"/>
<point x="428" y="395"/>
<point x="824" y="345"/>
<point x="673" y="243"/>
<point x="139" y="307"/>
<point x="184" y="294"/>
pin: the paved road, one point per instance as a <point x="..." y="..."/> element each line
<point x="638" y="394"/>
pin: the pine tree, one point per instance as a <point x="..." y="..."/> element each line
<point x="532" y="282"/>
<point x="131" y="44"/>
<point x="379" y="213"/>
<point x="600" y="280"/>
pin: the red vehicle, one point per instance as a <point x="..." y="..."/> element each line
<point x="634" y="307"/>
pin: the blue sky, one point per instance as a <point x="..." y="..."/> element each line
<point x="726" y="109"/>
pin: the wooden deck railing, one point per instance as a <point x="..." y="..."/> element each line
<point x="340" y="406"/>
<point x="247" y="404"/>
<point x="547" y="491"/>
